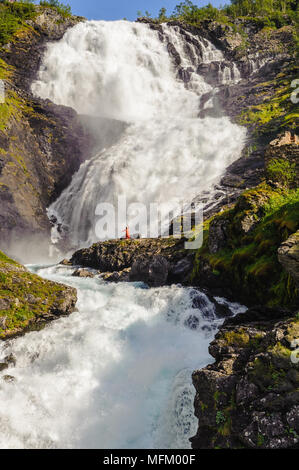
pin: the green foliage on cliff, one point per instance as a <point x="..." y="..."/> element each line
<point x="249" y="262"/>
<point x="14" y="16"/>
<point x="24" y="297"/>
<point x="277" y="112"/>
<point x="13" y="107"/>
<point x="62" y="9"/>
<point x="266" y="13"/>
<point x="281" y="170"/>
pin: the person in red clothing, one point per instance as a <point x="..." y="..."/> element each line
<point x="127" y="233"/>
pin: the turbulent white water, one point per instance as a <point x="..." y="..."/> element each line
<point x="115" y="374"/>
<point x="122" y="70"/>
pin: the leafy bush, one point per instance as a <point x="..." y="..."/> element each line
<point x="271" y="13"/>
<point x="282" y="171"/>
<point x="12" y="18"/>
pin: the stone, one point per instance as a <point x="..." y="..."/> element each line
<point x="288" y="256"/>
<point x="5" y="304"/>
<point x="152" y="271"/>
<point x="3" y="323"/>
<point x="218" y="234"/>
<point x="83" y="273"/>
<point x="292" y="418"/>
<point x="252" y="386"/>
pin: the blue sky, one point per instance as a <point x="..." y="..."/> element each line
<point x="118" y="9"/>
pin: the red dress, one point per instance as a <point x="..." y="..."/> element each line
<point x="127" y="234"/>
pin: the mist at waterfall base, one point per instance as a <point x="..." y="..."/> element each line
<point x="114" y="374"/>
<point x="166" y="154"/>
<point x="117" y="372"/>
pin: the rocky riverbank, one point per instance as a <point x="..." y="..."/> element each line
<point x="28" y="302"/>
<point x="156" y="262"/>
<point x="249" y="397"/>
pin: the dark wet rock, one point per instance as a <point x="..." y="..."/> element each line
<point x="65" y="302"/>
<point x="51" y="139"/>
<point x="218" y="234"/>
<point x="192" y="322"/>
<point x="153" y="271"/>
<point x="8" y="378"/>
<point x="247" y="398"/>
<point x="154" y="261"/>
<point x="182" y="268"/>
<point x="288" y="256"/>
<point x="83" y="273"/>
<point x="8" y="361"/>
<point x="174" y="53"/>
<point x="185" y="74"/>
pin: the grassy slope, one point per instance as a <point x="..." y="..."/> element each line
<point x="249" y="262"/>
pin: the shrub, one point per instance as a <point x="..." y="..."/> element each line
<point x="63" y="10"/>
<point x="282" y="171"/>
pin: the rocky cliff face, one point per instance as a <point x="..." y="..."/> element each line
<point x="249" y="396"/>
<point x="241" y="243"/>
<point x="41" y="144"/>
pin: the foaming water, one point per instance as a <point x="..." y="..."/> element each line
<point x="167" y="154"/>
<point x="114" y="374"/>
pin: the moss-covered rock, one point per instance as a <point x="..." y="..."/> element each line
<point x="249" y="397"/>
<point x="28" y="301"/>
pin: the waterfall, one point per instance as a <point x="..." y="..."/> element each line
<point x="124" y="71"/>
<point x="114" y="374"/>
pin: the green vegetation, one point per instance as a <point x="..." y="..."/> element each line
<point x="249" y="263"/>
<point x="266" y="13"/>
<point x="13" y="107"/>
<point x="14" y="16"/>
<point x="282" y="171"/>
<point x="220" y="418"/>
<point x="276" y="113"/>
<point x="63" y="10"/>
<point x="24" y="296"/>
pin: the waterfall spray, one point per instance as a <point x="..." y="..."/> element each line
<point x="123" y="71"/>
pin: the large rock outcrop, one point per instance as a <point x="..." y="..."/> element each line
<point x="156" y="262"/>
<point x="249" y="396"/>
<point x="28" y="302"/>
<point x="288" y="256"/>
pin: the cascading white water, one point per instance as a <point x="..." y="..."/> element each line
<point x="115" y="374"/>
<point x="122" y="70"/>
